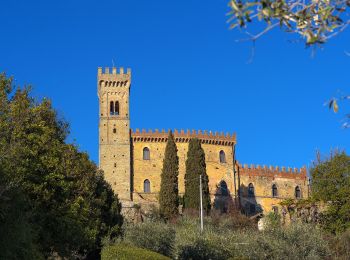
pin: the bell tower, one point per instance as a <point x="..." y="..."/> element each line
<point x="113" y="90"/>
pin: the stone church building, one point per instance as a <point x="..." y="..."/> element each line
<point x="132" y="160"/>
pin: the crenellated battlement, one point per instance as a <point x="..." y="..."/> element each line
<point x="206" y="137"/>
<point x="257" y="170"/>
<point x="113" y="77"/>
<point x="113" y="71"/>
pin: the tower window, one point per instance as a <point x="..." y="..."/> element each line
<point x="297" y="192"/>
<point x="250" y="190"/>
<point x="147" y="186"/>
<point x="222" y="157"/>
<point x="114" y="130"/>
<point x="146" y="153"/>
<point x="116" y="111"/>
<point x="274" y="190"/>
<point x="111" y="108"/>
<point x="115" y="164"/>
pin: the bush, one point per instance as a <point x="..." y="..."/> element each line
<point x="272" y="220"/>
<point x="157" y="236"/>
<point x="297" y="241"/>
<point x="222" y="240"/>
<point x="213" y="243"/>
<point x="232" y="221"/>
<point x="128" y="252"/>
<point x="341" y="245"/>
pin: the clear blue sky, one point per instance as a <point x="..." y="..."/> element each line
<point x="188" y="72"/>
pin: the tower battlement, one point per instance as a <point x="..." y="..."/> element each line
<point x="113" y="77"/>
<point x="113" y="71"/>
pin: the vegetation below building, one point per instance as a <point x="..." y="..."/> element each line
<point x="226" y="238"/>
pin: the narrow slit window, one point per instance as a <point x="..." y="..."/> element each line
<point x="147" y="186"/>
<point x="116" y="111"/>
<point x="297" y="192"/>
<point x="146" y="153"/>
<point x="111" y="108"/>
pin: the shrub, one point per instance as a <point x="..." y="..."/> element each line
<point x="341" y="245"/>
<point x="273" y="220"/>
<point x="297" y="241"/>
<point x="232" y="221"/>
<point x="221" y="240"/>
<point x="155" y="236"/>
<point x="127" y="252"/>
<point x="152" y="214"/>
<point x="213" y="243"/>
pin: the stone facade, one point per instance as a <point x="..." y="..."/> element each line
<point x="132" y="160"/>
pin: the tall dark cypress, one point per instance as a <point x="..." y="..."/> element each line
<point x="195" y="166"/>
<point x="169" y="191"/>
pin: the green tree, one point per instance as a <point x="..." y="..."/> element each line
<point x="331" y="184"/>
<point x="68" y="202"/>
<point x="18" y="238"/>
<point x="169" y="190"/>
<point x="195" y="166"/>
<point x="315" y="21"/>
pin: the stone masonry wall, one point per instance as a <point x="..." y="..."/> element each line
<point x="262" y="178"/>
<point x="156" y="143"/>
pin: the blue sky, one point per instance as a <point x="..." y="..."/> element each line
<point x="188" y="72"/>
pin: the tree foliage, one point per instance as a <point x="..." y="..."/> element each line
<point x="314" y="20"/>
<point x="331" y="184"/>
<point x="195" y="166"/>
<point x="68" y="204"/>
<point x="17" y="235"/>
<point x="169" y="190"/>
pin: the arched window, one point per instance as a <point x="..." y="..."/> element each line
<point x="222" y="157"/>
<point x="250" y="190"/>
<point x="146" y="154"/>
<point x="146" y="186"/>
<point x="274" y="190"/>
<point x="116" y="110"/>
<point x="297" y="192"/>
<point x="114" y="130"/>
<point x="111" y="108"/>
<point x="223" y="188"/>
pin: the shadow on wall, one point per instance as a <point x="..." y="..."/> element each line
<point x="250" y="207"/>
<point x="223" y="201"/>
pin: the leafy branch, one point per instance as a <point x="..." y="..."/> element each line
<point x="316" y="21"/>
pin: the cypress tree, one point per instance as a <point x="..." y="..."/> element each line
<point x="195" y="166"/>
<point x="169" y="191"/>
